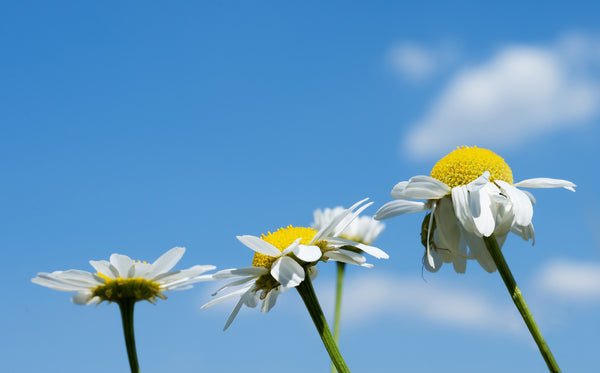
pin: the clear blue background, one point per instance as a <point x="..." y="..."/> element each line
<point x="134" y="127"/>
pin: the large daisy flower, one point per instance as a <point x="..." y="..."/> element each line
<point x="470" y="194"/>
<point x="283" y="259"/>
<point x="363" y="229"/>
<point x="123" y="279"/>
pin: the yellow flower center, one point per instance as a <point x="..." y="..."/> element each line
<point x="465" y="164"/>
<point x="123" y="289"/>
<point x="281" y="239"/>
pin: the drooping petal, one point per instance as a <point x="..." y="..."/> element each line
<point x="287" y="272"/>
<point x="462" y="210"/>
<point x="481" y="211"/>
<point x="448" y="234"/>
<point x="543" y="182"/>
<point x="432" y="261"/>
<point x="270" y="300"/>
<point x="399" y="207"/>
<point x="229" y="295"/>
<point x="479" y="251"/>
<point x="525" y="232"/>
<point x="165" y="262"/>
<point x="522" y="207"/>
<point x="260" y="246"/>
<point x="241" y="281"/>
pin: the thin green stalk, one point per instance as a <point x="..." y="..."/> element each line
<point x="517" y="297"/>
<point x="126" y="307"/>
<point x="341" y="266"/>
<point x="307" y="292"/>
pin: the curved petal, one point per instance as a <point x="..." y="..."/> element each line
<point x="522" y="207"/>
<point x="103" y="267"/>
<point x="346" y="256"/>
<point x="307" y="253"/>
<point x="335" y="223"/>
<point x="287" y="272"/>
<point x="525" y="232"/>
<point x="81" y="299"/>
<point x="479" y="252"/>
<point x="260" y="246"/>
<point x="425" y="187"/>
<point x="270" y="300"/>
<point x="371" y="250"/>
<point x="227" y="296"/>
<point x="481" y="211"/>
<point x="226" y="274"/>
<point x="462" y="210"/>
<point x="399" y="207"/>
<point x="542" y="182"/>
<point x="432" y="261"/>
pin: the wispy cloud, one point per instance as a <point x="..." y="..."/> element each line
<point x="520" y="92"/>
<point x="417" y="62"/>
<point x="390" y="296"/>
<point x="570" y="280"/>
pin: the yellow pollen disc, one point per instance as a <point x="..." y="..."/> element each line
<point x="281" y="239"/>
<point x="125" y="289"/>
<point x="465" y="164"/>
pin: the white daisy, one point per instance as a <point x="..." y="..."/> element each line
<point x="283" y="258"/>
<point x="363" y="229"/>
<point x="125" y="279"/>
<point x="470" y="194"/>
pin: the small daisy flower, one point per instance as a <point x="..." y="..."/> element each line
<point x="283" y="258"/>
<point x="470" y="194"/>
<point x="363" y="229"/>
<point x="123" y="279"/>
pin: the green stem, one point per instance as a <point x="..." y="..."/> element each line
<point x="338" y="306"/>
<point x="517" y="297"/>
<point x="307" y="292"/>
<point x="126" y="307"/>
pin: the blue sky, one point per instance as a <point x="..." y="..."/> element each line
<point x="137" y="127"/>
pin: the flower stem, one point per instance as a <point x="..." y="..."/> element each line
<point x="517" y="297"/>
<point x="307" y="292"/>
<point x="126" y="307"/>
<point x="341" y="266"/>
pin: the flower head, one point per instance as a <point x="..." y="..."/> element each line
<point x="470" y="194"/>
<point x="122" y="279"/>
<point x="283" y="258"/>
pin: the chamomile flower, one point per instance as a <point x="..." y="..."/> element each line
<point x="284" y="258"/>
<point x="471" y="195"/>
<point x="123" y="279"/>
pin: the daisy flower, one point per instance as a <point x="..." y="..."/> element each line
<point x="283" y="258"/>
<point x="123" y="279"/>
<point x="470" y="194"/>
<point x="125" y="282"/>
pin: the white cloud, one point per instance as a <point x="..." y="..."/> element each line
<point x="417" y="62"/>
<point x="377" y="295"/>
<point x="521" y="92"/>
<point x="570" y="280"/>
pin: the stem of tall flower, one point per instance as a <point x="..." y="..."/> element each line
<point x="341" y="266"/>
<point x="517" y="297"/>
<point x="126" y="307"/>
<point x="307" y="292"/>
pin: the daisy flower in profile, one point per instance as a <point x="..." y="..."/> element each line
<point x="470" y="194"/>
<point x="125" y="282"/>
<point x="282" y="260"/>
<point x="123" y="279"/>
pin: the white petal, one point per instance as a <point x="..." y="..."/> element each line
<point x="141" y="270"/>
<point x="448" y="234"/>
<point x="104" y="267"/>
<point x="398" y="190"/>
<point x="260" y="246"/>
<point x="399" y="207"/>
<point x="335" y="224"/>
<point x="460" y="200"/>
<point x="346" y="256"/>
<point x="313" y="272"/>
<point x="543" y="182"/>
<point x="175" y="276"/>
<point x="481" y="211"/>
<point x="432" y="262"/>
<point x="480" y="182"/>
<point x="234" y="313"/>
<point x="165" y="262"/>
<point x="51" y="281"/>
<point x="287" y="272"/>
<point x="522" y="207"/>
<point x="270" y="300"/>
<point x="371" y="250"/>
<point x="122" y="264"/>
<point x="227" y="296"/>
<point x="81" y="298"/>
<point x="242" y="281"/>
<point x="307" y="253"/>
<point x="525" y="232"/>
<point x="479" y="251"/>
<point x="349" y="219"/>
<point x="240" y="272"/>
<point x="424" y="187"/>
